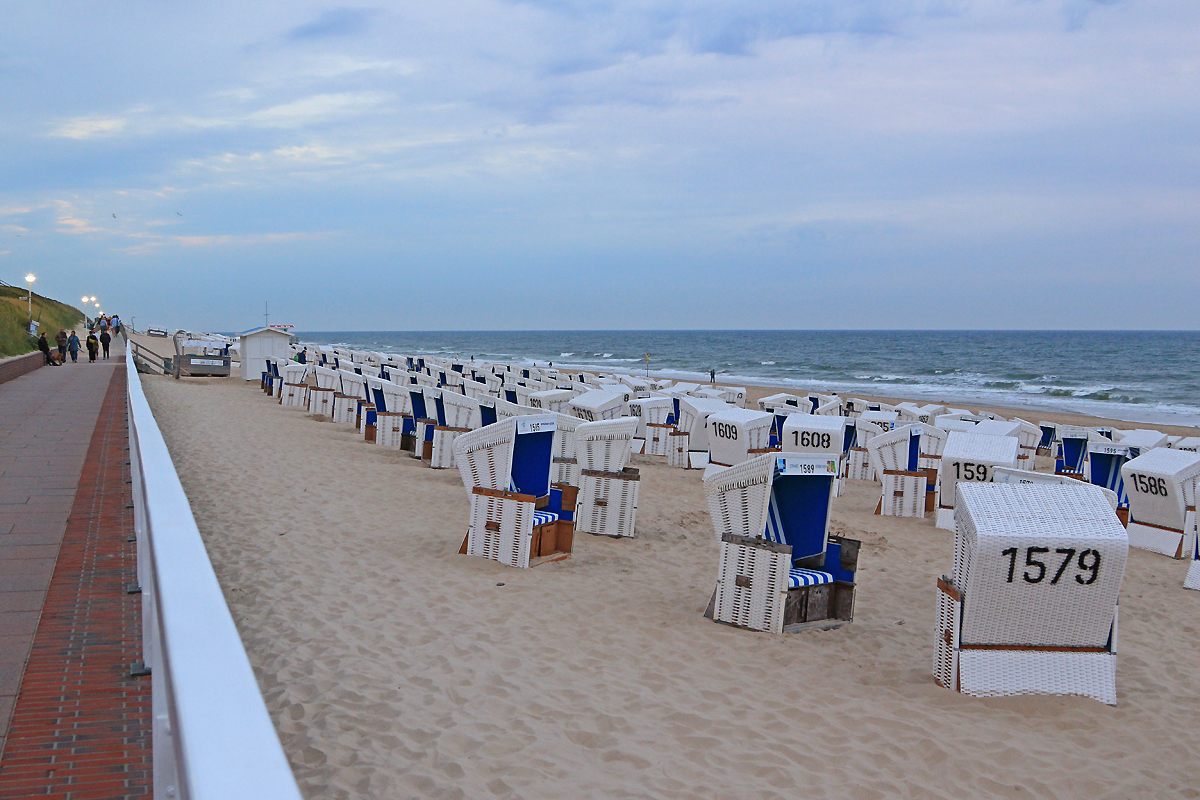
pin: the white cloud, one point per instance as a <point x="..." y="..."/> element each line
<point x="89" y="127"/>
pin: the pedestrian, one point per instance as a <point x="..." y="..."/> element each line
<point x="44" y="346"/>
<point x="104" y="341"/>
<point x="61" y="340"/>
<point x="712" y="377"/>
<point x="115" y="323"/>
<point x="73" y="346"/>
<point x="103" y="324"/>
<point x="93" y="344"/>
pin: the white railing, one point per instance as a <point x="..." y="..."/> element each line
<point x="213" y="738"/>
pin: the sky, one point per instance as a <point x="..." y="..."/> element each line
<point x="645" y="164"/>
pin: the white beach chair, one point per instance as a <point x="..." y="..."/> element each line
<point x="970" y="458"/>
<point x="1031" y="605"/>
<point x="320" y="396"/>
<point x="608" y="488"/>
<point x="788" y="402"/>
<point x="564" y="468"/>
<point x="691" y="436"/>
<point x="1161" y="485"/>
<point x="779" y="568"/>
<point x="657" y="421"/>
<point x="349" y="391"/>
<point x="906" y="461"/>
<point x="456" y="414"/>
<point x="517" y="517"/>
<point x="599" y="404"/>
<point x="294" y="389"/>
<point x="738" y="434"/>
<point x="548" y="400"/>
<point x="858" y="458"/>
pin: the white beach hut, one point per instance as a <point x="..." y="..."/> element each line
<point x="257" y="345"/>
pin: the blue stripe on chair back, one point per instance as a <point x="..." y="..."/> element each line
<point x="380" y="402"/>
<point x="774" y="530"/>
<point x="849" y="438"/>
<point x="914" y="451"/>
<point x="487" y="415"/>
<point x="801" y="503"/>
<point x="531" y="454"/>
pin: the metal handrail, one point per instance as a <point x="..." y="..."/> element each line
<point x="213" y="738"/>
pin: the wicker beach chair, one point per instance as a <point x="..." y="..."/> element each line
<point x="656" y="421"/>
<point x="456" y="414"/>
<point x="320" y="396"/>
<point x="1031" y="604"/>
<point x="1161" y="486"/>
<point x="517" y="517"/>
<point x="294" y="391"/>
<point x="779" y="567"/>
<point x="598" y="404"/>
<point x="608" y="488"/>
<point x="738" y="434"/>
<point x="970" y="457"/>
<point x="690" y="448"/>
<point x="906" y="460"/>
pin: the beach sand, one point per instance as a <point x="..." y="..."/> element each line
<point x="394" y="667"/>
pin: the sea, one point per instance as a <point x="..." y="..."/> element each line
<point x="1135" y="376"/>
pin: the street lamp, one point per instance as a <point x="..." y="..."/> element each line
<point x="30" y="278"/>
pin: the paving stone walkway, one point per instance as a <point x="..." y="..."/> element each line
<point x="73" y="724"/>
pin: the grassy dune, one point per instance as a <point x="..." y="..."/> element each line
<point x="14" y="314"/>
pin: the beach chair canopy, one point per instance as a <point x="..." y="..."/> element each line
<point x="598" y="404"/>
<point x="1161" y="485"/>
<point x="734" y="434"/>
<point x="809" y="433"/>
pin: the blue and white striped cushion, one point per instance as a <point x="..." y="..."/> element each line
<point x="807" y="577"/>
<point x="542" y="517"/>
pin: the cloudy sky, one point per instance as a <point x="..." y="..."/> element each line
<point x="479" y="164"/>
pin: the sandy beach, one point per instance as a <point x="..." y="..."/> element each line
<point x="395" y="668"/>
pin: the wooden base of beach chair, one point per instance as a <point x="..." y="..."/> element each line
<point x="1123" y="515"/>
<point x="824" y="607"/>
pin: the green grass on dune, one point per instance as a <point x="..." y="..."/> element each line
<point x="14" y="315"/>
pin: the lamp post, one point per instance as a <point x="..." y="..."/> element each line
<point x="30" y="278"/>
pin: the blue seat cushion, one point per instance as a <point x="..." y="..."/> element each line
<point x="807" y="577"/>
<point x="543" y="517"/>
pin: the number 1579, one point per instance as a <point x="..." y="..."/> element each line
<point x="1087" y="564"/>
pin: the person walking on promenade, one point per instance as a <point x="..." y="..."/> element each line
<point x="44" y="346"/>
<point x="61" y="341"/>
<point x="93" y="344"/>
<point x="73" y="346"/>
<point x="115" y="322"/>
<point x="102" y="323"/>
<point x="104" y="341"/>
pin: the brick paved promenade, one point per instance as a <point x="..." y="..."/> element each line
<point x="73" y="724"/>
